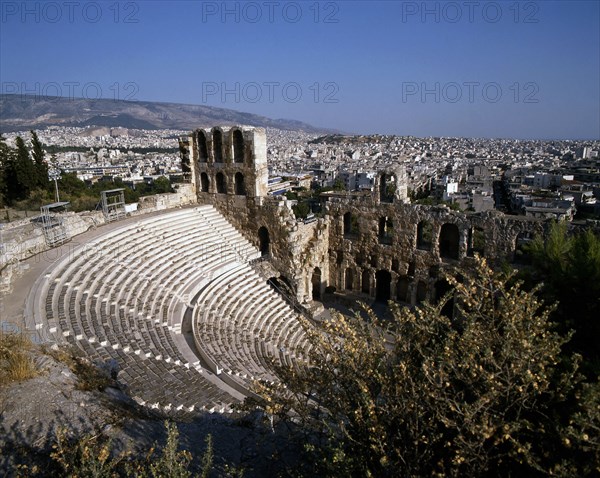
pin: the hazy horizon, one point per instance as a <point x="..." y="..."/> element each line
<point x="521" y="70"/>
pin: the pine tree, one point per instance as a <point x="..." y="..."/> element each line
<point x="40" y="165"/>
<point x="4" y="152"/>
<point x="25" y="171"/>
<point x="9" y="189"/>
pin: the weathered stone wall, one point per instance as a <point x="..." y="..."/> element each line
<point x="384" y="256"/>
<point x="295" y="249"/>
<point x="229" y="161"/>
<point x="25" y="238"/>
<point x="184" y="195"/>
<point x="219" y="159"/>
<point x="365" y="252"/>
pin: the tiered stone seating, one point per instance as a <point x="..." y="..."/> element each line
<point x="243" y="249"/>
<point x="239" y="322"/>
<point x="112" y="299"/>
<point x="122" y="297"/>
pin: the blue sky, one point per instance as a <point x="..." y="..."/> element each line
<point x="479" y="69"/>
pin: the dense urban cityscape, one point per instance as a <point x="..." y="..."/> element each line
<point x="539" y="178"/>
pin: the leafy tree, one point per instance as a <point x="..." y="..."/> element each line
<point x="428" y="201"/>
<point x="11" y="189"/>
<point x="420" y="194"/>
<point x="552" y="251"/>
<point x="569" y="267"/>
<point x="71" y="185"/>
<point x="339" y="185"/>
<point x="486" y="393"/>
<point x="41" y="168"/>
<point x="452" y="205"/>
<point x="301" y="210"/>
<point x="161" y="185"/>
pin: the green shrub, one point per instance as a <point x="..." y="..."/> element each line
<point x="486" y="392"/>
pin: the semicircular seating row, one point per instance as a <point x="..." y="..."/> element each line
<point x="121" y="299"/>
<point x="240" y="324"/>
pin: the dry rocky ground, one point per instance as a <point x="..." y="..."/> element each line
<point x="34" y="410"/>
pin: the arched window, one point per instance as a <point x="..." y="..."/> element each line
<point x="421" y="292"/>
<point x="349" y="279"/>
<point x="240" y="187"/>
<point x="386" y="229"/>
<point x="202" y="149"/>
<point x="217" y="146"/>
<point x="204" y="182"/>
<point x="264" y="241"/>
<point x="522" y="254"/>
<point x="366" y="282"/>
<point x="424" y="233"/>
<point x="383" y="280"/>
<point x="442" y="287"/>
<point x="402" y="289"/>
<point x="221" y="184"/>
<point x="449" y="241"/>
<point x="350" y="225"/>
<point x="184" y="152"/>
<point x="387" y="188"/>
<point x="476" y="241"/>
<point x="238" y="146"/>
<point x="316" y="284"/>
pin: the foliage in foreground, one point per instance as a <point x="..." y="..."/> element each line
<point x="16" y="363"/>
<point x="95" y="457"/>
<point x="484" y="393"/>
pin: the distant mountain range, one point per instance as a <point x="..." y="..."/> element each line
<point x="25" y="112"/>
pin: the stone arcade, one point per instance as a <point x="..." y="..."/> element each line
<point x="378" y="245"/>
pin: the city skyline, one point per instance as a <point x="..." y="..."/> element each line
<point x="523" y="70"/>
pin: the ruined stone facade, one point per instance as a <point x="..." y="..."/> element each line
<point x="227" y="161"/>
<point x="378" y="245"/>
